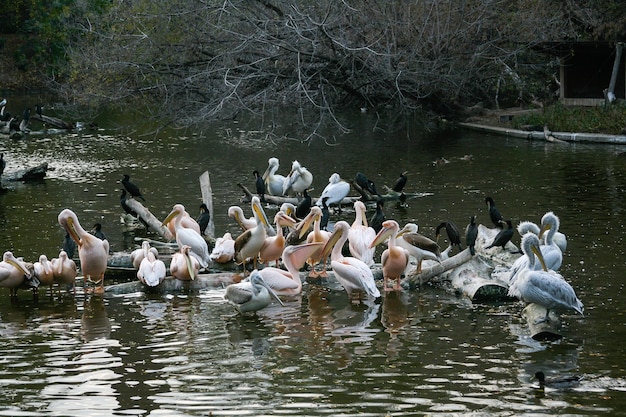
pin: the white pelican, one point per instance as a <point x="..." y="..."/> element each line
<point x="273" y="182"/>
<point x="92" y="252"/>
<point x="186" y="221"/>
<point x="289" y="209"/>
<point x="336" y="190"/>
<point x="151" y="270"/>
<point x="361" y="235"/>
<point x="551" y="251"/>
<point x="298" y="180"/>
<point x="352" y="273"/>
<point x="64" y="270"/>
<point x="43" y="271"/>
<point x="251" y="295"/>
<point x="294" y="257"/>
<point x="418" y="245"/>
<point x="543" y="287"/>
<point x="273" y="247"/>
<point x="395" y="258"/>
<point x="138" y="255"/>
<point x="185" y="236"/>
<point x="236" y="213"/>
<point x="224" y="250"/>
<point x="526" y="226"/>
<point x="12" y="273"/>
<point x="184" y="266"/>
<point x="249" y="243"/>
<point x="317" y="235"/>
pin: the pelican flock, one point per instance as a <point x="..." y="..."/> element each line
<point x="300" y="241"/>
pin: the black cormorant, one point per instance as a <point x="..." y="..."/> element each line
<point x="377" y="219"/>
<point x="503" y="236"/>
<point x="471" y="233"/>
<point x="304" y="206"/>
<point x="453" y="232"/>
<point x="132" y="188"/>
<point x="204" y="217"/>
<point x="399" y="184"/>
<point x="494" y="214"/>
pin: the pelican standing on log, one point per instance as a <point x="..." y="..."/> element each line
<point x="395" y="258"/>
<point x="361" y="235"/>
<point x="353" y="274"/>
<point x="224" y="249"/>
<point x="151" y="270"/>
<point x="273" y="182"/>
<point x="251" y="295"/>
<point x="317" y="235"/>
<point x="12" y="273"/>
<point x="187" y="236"/>
<point x="419" y="246"/>
<point x="92" y="252"/>
<point x="336" y="190"/>
<point x="298" y="180"/>
<point x="273" y="247"/>
<point x="294" y="257"/>
<point x="551" y="251"/>
<point x="543" y="287"/>
<point x="138" y="255"/>
<point x="249" y="243"/>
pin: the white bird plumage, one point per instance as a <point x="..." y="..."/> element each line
<point x="361" y="235"/>
<point x="336" y="190"/>
<point x="43" y="271"/>
<point x="12" y="273"/>
<point x="273" y="182"/>
<point x="251" y="295"/>
<point x="92" y="252"/>
<point x="546" y="288"/>
<point x="151" y="270"/>
<point x="249" y="243"/>
<point x="395" y="258"/>
<point x="352" y="273"/>
<point x="183" y="266"/>
<point x="138" y="255"/>
<point x="415" y="244"/>
<point x="224" y="249"/>
<point x="288" y="282"/>
<point x="188" y="237"/>
<point x="64" y="270"/>
<point x="298" y="180"/>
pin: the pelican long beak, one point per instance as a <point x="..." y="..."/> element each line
<point x="306" y="224"/>
<point x="260" y="213"/>
<point x="266" y="173"/>
<point x="271" y="291"/>
<point x="544" y="229"/>
<point x="71" y="229"/>
<point x="330" y="244"/>
<point x="384" y="233"/>
<point x="284" y="220"/>
<point x="239" y="220"/>
<point x="537" y="251"/>
<point x="169" y="217"/>
<point x="188" y="262"/>
<point x="300" y="253"/>
<point x="19" y="266"/>
<point x="403" y="231"/>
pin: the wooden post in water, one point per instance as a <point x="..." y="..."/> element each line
<point x="207" y="198"/>
<point x="152" y="222"/>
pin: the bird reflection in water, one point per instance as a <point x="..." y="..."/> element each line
<point x="394" y="317"/>
<point x="94" y="322"/>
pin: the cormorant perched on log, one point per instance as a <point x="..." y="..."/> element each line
<point x="325" y="214"/>
<point x="494" y="214"/>
<point x="304" y="206"/>
<point x="471" y="233"/>
<point x="132" y="188"/>
<point x="399" y="184"/>
<point x="97" y="231"/>
<point x="365" y="183"/>
<point x="377" y="219"/>
<point x="260" y="185"/>
<point x="204" y="217"/>
<point x="453" y="232"/>
<point x="503" y="236"/>
<point x="125" y="206"/>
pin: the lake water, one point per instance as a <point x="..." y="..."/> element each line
<point x="422" y="352"/>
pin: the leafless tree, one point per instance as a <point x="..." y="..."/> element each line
<point x="199" y="60"/>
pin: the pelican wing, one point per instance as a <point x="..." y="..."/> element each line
<point x="354" y="274"/>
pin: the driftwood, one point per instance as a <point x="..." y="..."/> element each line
<point x="207" y="198"/>
<point x="544" y="330"/>
<point x="153" y="223"/>
<point x="52" y="121"/>
<point x="36" y="173"/>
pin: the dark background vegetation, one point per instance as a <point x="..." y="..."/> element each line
<point x="193" y="61"/>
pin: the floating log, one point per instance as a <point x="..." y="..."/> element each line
<point x="153" y="223"/>
<point x="52" y="121"/>
<point x="36" y="173"/>
<point x="544" y="330"/>
<point x="171" y="284"/>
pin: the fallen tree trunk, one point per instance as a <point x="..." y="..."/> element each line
<point x="542" y="330"/>
<point x="52" y="121"/>
<point x="153" y="223"/>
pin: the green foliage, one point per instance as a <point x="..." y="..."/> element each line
<point x="559" y="118"/>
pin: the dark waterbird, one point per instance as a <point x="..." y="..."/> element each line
<point x="304" y="205"/>
<point x="494" y="214"/>
<point x="471" y="233"/>
<point x="325" y="214"/>
<point x="377" y="219"/>
<point x="69" y="246"/>
<point x="365" y="183"/>
<point x="503" y="237"/>
<point x="204" y="217"/>
<point x="453" y="232"/>
<point x="96" y="230"/>
<point x="259" y="184"/>
<point x="132" y="188"/>
<point x="399" y="184"/>
<point x="557" y="383"/>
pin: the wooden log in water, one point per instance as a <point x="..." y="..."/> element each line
<point x="207" y="198"/>
<point x="153" y="223"/>
<point x="52" y="121"/>
<point x="171" y="284"/>
<point x="36" y="173"/>
<point x="542" y="330"/>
